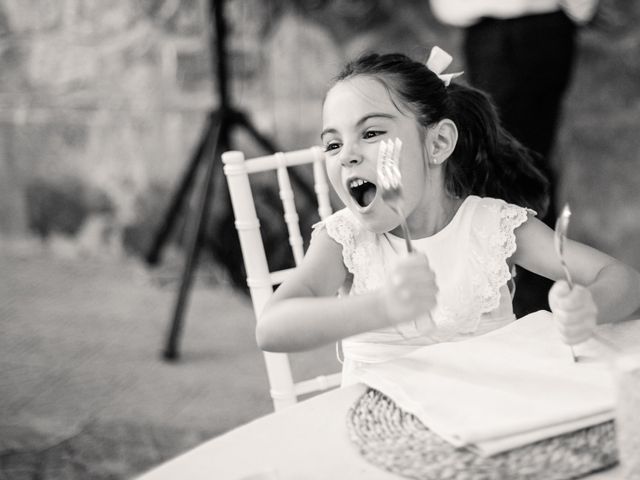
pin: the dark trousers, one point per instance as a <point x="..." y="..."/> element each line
<point x="525" y="64"/>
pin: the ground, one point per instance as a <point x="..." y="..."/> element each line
<point x="84" y="391"/>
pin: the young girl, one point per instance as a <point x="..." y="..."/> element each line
<point x="469" y="190"/>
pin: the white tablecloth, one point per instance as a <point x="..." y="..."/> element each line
<point x="308" y="441"/>
<point x="502" y="390"/>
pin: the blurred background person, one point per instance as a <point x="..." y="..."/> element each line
<point x="522" y="53"/>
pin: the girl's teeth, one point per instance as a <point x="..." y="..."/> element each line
<point x="362" y="191"/>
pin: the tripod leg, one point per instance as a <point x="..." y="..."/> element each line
<point x="153" y="256"/>
<point x="202" y="212"/>
<point x="264" y="142"/>
<point x="241" y="119"/>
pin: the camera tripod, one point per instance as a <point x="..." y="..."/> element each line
<point x="214" y="140"/>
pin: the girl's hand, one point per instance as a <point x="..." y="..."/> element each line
<point x="411" y="289"/>
<point x="574" y="311"/>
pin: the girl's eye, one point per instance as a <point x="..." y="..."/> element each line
<point x="331" y="146"/>
<point x="372" y="133"/>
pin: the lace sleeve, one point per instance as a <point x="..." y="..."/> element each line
<point x="342" y="229"/>
<point x="493" y="234"/>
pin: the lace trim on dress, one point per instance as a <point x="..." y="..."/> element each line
<point x="500" y="246"/>
<point x="342" y="230"/>
<point x="360" y="253"/>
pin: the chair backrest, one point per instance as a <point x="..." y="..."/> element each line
<point x="284" y="391"/>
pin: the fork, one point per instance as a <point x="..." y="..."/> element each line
<point x="390" y="181"/>
<point x="559" y="237"/>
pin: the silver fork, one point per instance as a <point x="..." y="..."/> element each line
<point x="390" y="182"/>
<point x="559" y="238"/>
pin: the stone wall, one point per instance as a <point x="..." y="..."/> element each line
<point x="101" y="104"/>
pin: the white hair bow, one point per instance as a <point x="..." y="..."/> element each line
<point x="438" y="61"/>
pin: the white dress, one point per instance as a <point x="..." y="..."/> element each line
<point x="469" y="258"/>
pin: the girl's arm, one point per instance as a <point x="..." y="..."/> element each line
<point x="305" y="312"/>
<point x="614" y="286"/>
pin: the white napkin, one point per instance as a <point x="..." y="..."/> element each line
<point x="502" y="390"/>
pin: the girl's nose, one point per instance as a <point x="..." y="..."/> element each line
<point x="351" y="156"/>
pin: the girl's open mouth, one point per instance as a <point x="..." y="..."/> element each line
<point x="362" y="191"/>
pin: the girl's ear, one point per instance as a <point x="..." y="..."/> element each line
<point x="441" y="141"/>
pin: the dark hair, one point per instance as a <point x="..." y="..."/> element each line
<point x="487" y="160"/>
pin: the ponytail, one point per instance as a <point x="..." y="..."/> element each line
<point x="488" y="161"/>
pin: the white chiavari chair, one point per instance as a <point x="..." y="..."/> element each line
<point x="284" y="391"/>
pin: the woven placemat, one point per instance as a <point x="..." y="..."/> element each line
<point x="398" y="442"/>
